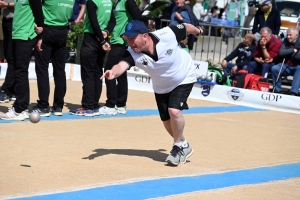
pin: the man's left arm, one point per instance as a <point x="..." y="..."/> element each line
<point x="181" y="31"/>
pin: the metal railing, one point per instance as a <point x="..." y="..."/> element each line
<point x="217" y="42"/>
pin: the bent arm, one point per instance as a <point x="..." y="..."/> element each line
<point x="191" y="29"/>
<point x="116" y="71"/>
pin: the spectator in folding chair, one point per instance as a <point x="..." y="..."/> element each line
<point x="265" y="53"/>
<point x="289" y="51"/>
<point x="244" y="53"/>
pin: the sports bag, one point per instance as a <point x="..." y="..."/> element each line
<point x="251" y="81"/>
<point x="222" y="79"/>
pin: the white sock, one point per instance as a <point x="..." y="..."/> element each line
<point x="184" y="144"/>
<point x="179" y="144"/>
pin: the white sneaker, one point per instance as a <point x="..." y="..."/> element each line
<point x="12" y="115"/>
<point x="107" y="111"/>
<point x="121" y="110"/>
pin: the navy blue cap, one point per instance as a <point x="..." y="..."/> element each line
<point x="134" y="28"/>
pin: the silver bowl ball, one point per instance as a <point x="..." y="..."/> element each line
<point x="34" y="117"/>
<point x="209" y="78"/>
<point x="202" y="77"/>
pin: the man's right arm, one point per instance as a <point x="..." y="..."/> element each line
<point x="91" y="10"/>
<point x="118" y="69"/>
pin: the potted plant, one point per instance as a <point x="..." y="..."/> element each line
<point x="75" y="37"/>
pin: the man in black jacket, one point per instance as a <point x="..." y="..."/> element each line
<point x="267" y="16"/>
<point x="289" y="50"/>
<point x="244" y="53"/>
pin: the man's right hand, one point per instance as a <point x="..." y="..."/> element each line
<point x="108" y="74"/>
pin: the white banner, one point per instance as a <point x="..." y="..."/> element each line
<point x="139" y="80"/>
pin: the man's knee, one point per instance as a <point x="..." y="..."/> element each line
<point x="174" y="113"/>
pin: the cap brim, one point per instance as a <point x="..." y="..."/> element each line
<point x="129" y="34"/>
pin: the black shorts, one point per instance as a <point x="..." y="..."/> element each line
<point x="175" y="99"/>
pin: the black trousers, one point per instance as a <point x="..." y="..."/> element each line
<point x="9" y="82"/>
<point x="21" y="59"/>
<point x="54" y="48"/>
<point x="117" y="89"/>
<point x="91" y="59"/>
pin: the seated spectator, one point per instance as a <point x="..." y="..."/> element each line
<point x="290" y="51"/>
<point x="244" y="53"/>
<point x="265" y="53"/>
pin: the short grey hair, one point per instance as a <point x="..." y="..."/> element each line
<point x="294" y="29"/>
<point x="266" y="29"/>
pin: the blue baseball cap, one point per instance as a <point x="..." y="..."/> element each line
<point x="134" y="28"/>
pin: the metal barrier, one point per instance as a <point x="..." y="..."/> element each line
<point x="216" y="43"/>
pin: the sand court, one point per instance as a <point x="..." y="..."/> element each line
<point x="74" y="157"/>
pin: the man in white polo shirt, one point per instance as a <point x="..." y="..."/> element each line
<point x="172" y="72"/>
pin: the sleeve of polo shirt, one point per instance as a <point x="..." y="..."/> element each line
<point x="179" y="31"/>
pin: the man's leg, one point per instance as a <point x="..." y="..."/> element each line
<point x="252" y="67"/>
<point x="9" y="83"/>
<point x="97" y="81"/>
<point x="295" y="71"/>
<point x="275" y="73"/>
<point x="88" y="58"/>
<point x="58" y="62"/>
<point x="170" y="107"/>
<point x="22" y="56"/>
<point x="229" y="67"/>
<point x="175" y="125"/>
<point x="116" y="93"/>
<point x="41" y="68"/>
<point x="266" y="68"/>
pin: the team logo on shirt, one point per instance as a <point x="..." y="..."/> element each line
<point x="169" y="52"/>
<point x="144" y="61"/>
<point x="180" y="26"/>
<point x="129" y="26"/>
<point x="22" y="1"/>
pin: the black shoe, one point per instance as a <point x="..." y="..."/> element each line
<point x="56" y="111"/>
<point x="3" y="97"/>
<point x="44" y="112"/>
